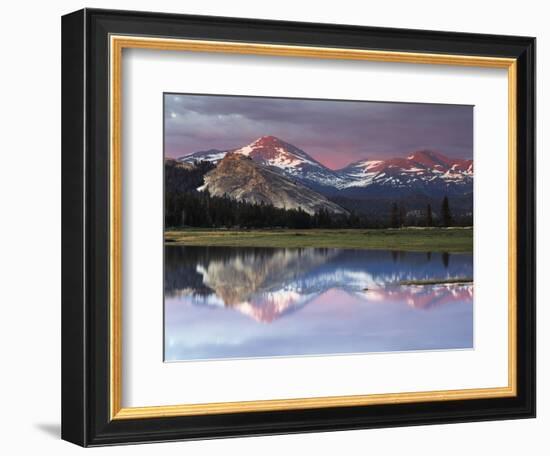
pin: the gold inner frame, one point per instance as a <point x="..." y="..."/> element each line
<point x="117" y="44"/>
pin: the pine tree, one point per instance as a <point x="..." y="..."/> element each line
<point x="429" y="217"/>
<point x="394" y="216"/>
<point x="446" y="215"/>
<point x="402" y="215"/>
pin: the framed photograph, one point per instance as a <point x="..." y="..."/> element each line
<point x="280" y="227"/>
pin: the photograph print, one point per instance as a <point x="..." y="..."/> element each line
<point x="313" y="227"/>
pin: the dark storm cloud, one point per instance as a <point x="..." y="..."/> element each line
<point x="334" y="132"/>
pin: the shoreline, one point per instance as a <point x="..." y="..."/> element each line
<point x="455" y="281"/>
<point x="413" y="239"/>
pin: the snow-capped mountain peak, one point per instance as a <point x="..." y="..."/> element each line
<point x="419" y="170"/>
<point x="281" y="156"/>
<point x="273" y="151"/>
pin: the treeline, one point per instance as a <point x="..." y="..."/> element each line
<point x="181" y="179"/>
<point x="400" y="217"/>
<point x="200" y="209"/>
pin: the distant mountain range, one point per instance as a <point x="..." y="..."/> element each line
<point x="286" y="176"/>
<point x="424" y="170"/>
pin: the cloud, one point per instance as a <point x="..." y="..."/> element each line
<point x="334" y="132"/>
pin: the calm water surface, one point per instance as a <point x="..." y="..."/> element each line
<point x="259" y="302"/>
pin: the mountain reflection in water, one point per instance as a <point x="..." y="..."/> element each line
<point x="252" y="302"/>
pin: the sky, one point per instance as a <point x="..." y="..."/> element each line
<point x="335" y="133"/>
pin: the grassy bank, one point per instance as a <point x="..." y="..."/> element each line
<point x="412" y="239"/>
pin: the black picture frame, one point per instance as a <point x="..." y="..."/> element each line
<point x="85" y="225"/>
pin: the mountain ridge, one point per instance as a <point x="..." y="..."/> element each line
<point x="421" y="170"/>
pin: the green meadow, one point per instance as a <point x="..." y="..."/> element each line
<point x="452" y="240"/>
